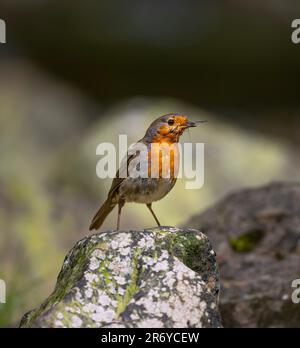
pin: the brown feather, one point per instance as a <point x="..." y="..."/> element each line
<point x="110" y="202"/>
<point x="101" y="214"/>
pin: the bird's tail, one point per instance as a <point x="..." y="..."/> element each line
<point x="101" y="214"/>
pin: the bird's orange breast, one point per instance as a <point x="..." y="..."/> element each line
<point x="163" y="160"/>
<point x="165" y="136"/>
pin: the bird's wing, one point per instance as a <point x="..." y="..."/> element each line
<point x="117" y="180"/>
<point x="124" y="169"/>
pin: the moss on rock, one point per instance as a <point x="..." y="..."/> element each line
<point x="247" y="241"/>
<point x="148" y="278"/>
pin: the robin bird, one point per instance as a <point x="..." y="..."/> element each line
<point x="164" y="131"/>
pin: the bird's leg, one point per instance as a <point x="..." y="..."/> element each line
<point x="152" y="212"/>
<point x="120" y="206"/>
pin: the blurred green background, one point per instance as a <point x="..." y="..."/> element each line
<point x="75" y="74"/>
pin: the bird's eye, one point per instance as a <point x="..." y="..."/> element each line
<point x="170" y="122"/>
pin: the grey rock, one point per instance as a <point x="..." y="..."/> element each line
<point x="256" y="235"/>
<point x="165" y="277"/>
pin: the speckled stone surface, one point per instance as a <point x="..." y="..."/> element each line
<point x="164" y="277"/>
<point x="256" y="235"/>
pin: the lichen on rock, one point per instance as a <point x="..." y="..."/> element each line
<point x="161" y="277"/>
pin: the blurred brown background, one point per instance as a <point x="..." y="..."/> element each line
<point x="74" y="74"/>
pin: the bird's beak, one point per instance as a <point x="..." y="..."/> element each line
<point x="193" y="124"/>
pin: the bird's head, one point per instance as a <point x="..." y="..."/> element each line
<point x="168" y="128"/>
